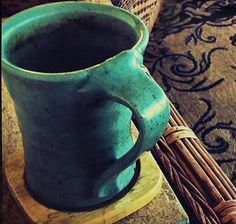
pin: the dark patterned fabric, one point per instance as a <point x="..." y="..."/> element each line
<point x="192" y="55"/>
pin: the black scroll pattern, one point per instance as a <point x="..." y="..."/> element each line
<point x="186" y="14"/>
<point x="179" y="71"/>
<point x="183" y="54"/>
<point x="218" y="145"/>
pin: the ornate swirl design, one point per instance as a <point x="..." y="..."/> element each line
<point x="200" y="128"/>
<point x="188" y="14"/>
<point x="183" y="72"/>
<point x="206" y="131"/>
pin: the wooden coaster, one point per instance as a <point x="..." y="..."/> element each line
<point x="146" y="188"/>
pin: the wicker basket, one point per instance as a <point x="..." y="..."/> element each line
<point x="147" y="10"/>
<point x="204" y="188"/>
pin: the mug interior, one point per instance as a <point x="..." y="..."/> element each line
<point x="68" y="43"/>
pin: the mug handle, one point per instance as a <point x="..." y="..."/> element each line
<point x="149" y="105"/>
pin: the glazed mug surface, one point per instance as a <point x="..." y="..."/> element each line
<point x="74" y="71"/>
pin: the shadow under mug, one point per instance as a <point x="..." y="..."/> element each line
<point x="74" y="71"/>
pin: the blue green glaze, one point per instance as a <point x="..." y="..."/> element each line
<point x="76" y="124"/>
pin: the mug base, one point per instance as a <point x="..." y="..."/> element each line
<point x="120" y="195"/>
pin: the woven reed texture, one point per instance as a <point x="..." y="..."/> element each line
<point x="206" y="190"/>
<point x="147" y="10"/>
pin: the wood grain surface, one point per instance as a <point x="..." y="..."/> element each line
<point x="146" y="188"/>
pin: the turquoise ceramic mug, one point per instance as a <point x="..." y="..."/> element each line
<point x="75" y="74"/>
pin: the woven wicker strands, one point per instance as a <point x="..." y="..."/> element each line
<point x="147" y="10"/>
<point x="206" y="190"/>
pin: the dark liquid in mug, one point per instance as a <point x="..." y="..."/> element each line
<point x="71" y="44"/>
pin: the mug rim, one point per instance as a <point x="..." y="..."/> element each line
<point x="9" y="24"/>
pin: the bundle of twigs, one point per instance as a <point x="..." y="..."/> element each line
<point x="201" y="183"/>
